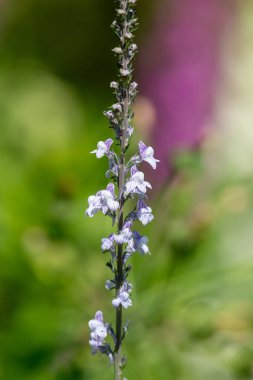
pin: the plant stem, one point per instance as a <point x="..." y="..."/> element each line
<point x="122" y="172"/>
<point x="120" y="277"/>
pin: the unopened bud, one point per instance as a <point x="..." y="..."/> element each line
<point x="117" y="107"/>
<point x="133" y="86"/>
<point x="128" y="35"/>
<point x="114" y="85"/>
<point x="121" y="12"/>
<point x="124" y="72"/>
<point x="117" y="50"/>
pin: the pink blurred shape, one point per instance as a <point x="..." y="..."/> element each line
<point x="179" y="73"/>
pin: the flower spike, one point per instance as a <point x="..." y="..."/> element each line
<point x="127" y="181"/>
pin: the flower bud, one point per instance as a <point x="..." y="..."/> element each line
<point x="124" y="72"/>
<point x="121" y="12"/>
<point x="114" y="85"/>
<point x="117" y="50"/>
<point x="117" y="107"/>
<point x="133" y="47"/>
<point x="128" y="35"/>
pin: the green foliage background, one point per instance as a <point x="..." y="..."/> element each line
<point x="193" y="314"/>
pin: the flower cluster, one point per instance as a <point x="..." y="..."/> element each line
<point x="123" y="296"/>
<point x="99" y="331"/>
<point x="132" y="241"/>
<point x="127" y="181"/>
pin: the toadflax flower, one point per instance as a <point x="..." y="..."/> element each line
<point x="103" y="148"/>
<point x="138" y="244"/>
<point x="94" y="205"/>
<point x="104" y="200"/>
<point x="136" y="183"/>
<point x="147" y="154"/>
<point x="123" y="297"/>
<point x="108" y="243"/>
<point x="98" y="333"/>
<point x="144" y="213"/>
<point x="124" y="235"/>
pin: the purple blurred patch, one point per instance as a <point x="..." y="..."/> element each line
<point x="179" y="72"/>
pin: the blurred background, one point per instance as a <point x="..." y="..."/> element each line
<point x="192" y="314"/>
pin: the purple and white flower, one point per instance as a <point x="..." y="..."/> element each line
<point x="103" y="148"/>
<point x="123" y="296"/>
<point x="113" y="168"/>
<point x="144" y="213"/>
<point x="108" y="243"/>
<point x="108" y="199"/>
<point x="94" y="205"/>
<point x="109" y="285"/>
<point x="138" y="244"/>
<point x="147" y="154"/>
<point x="136" y="183"/>
<point x="125" y="234"/>
<point x="98" y="333"/>
<point x="104" y="200"/>
<point x="130" y="130"/>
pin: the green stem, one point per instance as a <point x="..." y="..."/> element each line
<point x="122" y="172"/>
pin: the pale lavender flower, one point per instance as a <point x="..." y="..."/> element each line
<point x="109" y="285"/>
<point x="104" y="200"/>
<point x="108" y="201"/>
<point x="113" y="168"/>
<point x="140" y="243"/>
<point x="103" y="148"/>
<point x="94" y="205"/>
<point x="130" y="130"/>
<point x="123" y="296"/>
<point x="109" y="114"/>
<point x="124" y="235"/>
<point x="98" y="333"/>
<point x="107" y="243"/>
<point x="147" y="154"/>
<point x="144" y="213"/>
<point x="136" y="183"/>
